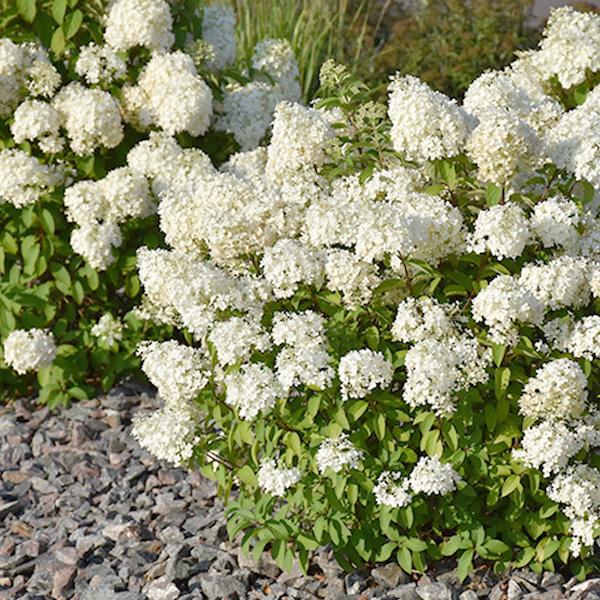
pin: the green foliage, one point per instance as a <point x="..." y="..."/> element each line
<point x="499" y="514"/>
<point x="450" y="42"/>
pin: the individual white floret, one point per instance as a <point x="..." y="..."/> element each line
<point x="503" y="230"/>
<point x="276" y="480"/>
<point x="337" y="453"/>
<point x="557" y="391"/>
<point x="426" y="124"/>
<point x="179" y="372"/>
<point x="29" y="350"/>
<point x="146" y="23"/>
<point x="252" y="390"/>
<point x="24" y="179"/>
<point x="362" y="371"/>
<point x="430" y="476"/>
<point x="391" y="489"/>
<point x="168" y="433"/>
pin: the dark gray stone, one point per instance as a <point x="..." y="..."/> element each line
<point x="389" y="576"/>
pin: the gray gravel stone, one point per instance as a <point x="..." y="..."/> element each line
<point x="389" y="576"/>
<point x="436" y="591"/>
<point x="217" y="587"/>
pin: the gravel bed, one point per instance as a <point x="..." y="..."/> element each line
<point x="85" y="513"/>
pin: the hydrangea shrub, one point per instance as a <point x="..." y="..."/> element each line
<point x="388" y="330"/>
<point x="103" y="108"/>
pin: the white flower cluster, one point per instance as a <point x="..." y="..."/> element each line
<point x="169" y="433"/>
<point x="429" y="476"/>
<point x="580" y="338"/>
<point x="108" y="329"/>
<point x="24" y="179"/>
<point x="248" y="108"/>
<point x="38" y="121"/>
<point x="361" y="371"/>
<point x="304" y="358"/>
<point x="337" y="453"/>
<point x="426" y="125"/>
<point x="252" y="390"/>
<point x="235" y="339"/>
<point x="177" y="371"/>
<point x="98" y="207"/>
<point x="29" y="350"/>
<point x="99" y="64"/>
<point x="276" y="480"/>
<point x="218" y="34"/>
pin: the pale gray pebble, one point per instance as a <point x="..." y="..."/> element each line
<point x="98" y="518"/>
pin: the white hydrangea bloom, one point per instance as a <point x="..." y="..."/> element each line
<point x="578" y="489"/>
<point x="336" y="453"/>
<point x="580" y="338"/>
<point x="108" y="329"/>
<point x="290" y="263"/>
<point x="237" y="338"/>
<point x="37" y="121"/>
<point x="23" y="178"/>
<point x="276" y="480"/>
<point x="252" y="390"/>
<point x="126" y="194"/>
<point x="99" y="64"/>
<point x="85" y="203"/>
<point x="156" y="157"/>
<point x="558" y="390"/>
<point x="391" y="489"/>
<point x="421" y="319"/>
<point x="504" y="147"/>
<point x="502" y="229"/>
<point x="95" y="243"/>
<point x="277" y="59"/>
<point x="179" y="372"/>
<point x="298" y="140"/>
<point x="437" y="371"/>
<point x="168" y="433"/>
<point x="504" y="303"/>
<point x="504" y="90"/>
<point x="555" y="222"/>
<point x="218" y="32"/>
<point x="306" y="328"/>
<point x="430" y="476"/>
<point x="361" y="371"/>
<point x="561" y="283"/>
<point x="172" y="95"/>
<point x="90" y="116"/>
<point x="308" y="366"/>
<point x="29" y="350"/>
<point x="569" y="144"/>
<point x="146" y="23"/>
<point x="548" y="447"/>
<point x="42" y="78"/>
<point x="570" y="46"/>
<point x="582" y="531"/>
<point x="426" y="125"/>
<point x="247" y="111"/>
<point x="347" y="273"/>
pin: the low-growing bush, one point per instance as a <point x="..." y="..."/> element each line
<point x="94" y="103"/>
<point x="388" y="322"/>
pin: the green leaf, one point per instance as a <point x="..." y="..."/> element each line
<point x="498" y="351"/>
<point x="372" y="337"/>
<point x="58" y="41"/>
<point x="246" y="475"/>
<point x="465" y="564"/>
<point x="510" y="485"/>
<point x="27" y="10"/>
<point x="58" y="10"/>
<point x="379" y="426"/>
<point x="493" y="194"/>
<point x="404" y="559"/>
<point x="72" y="23"/>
